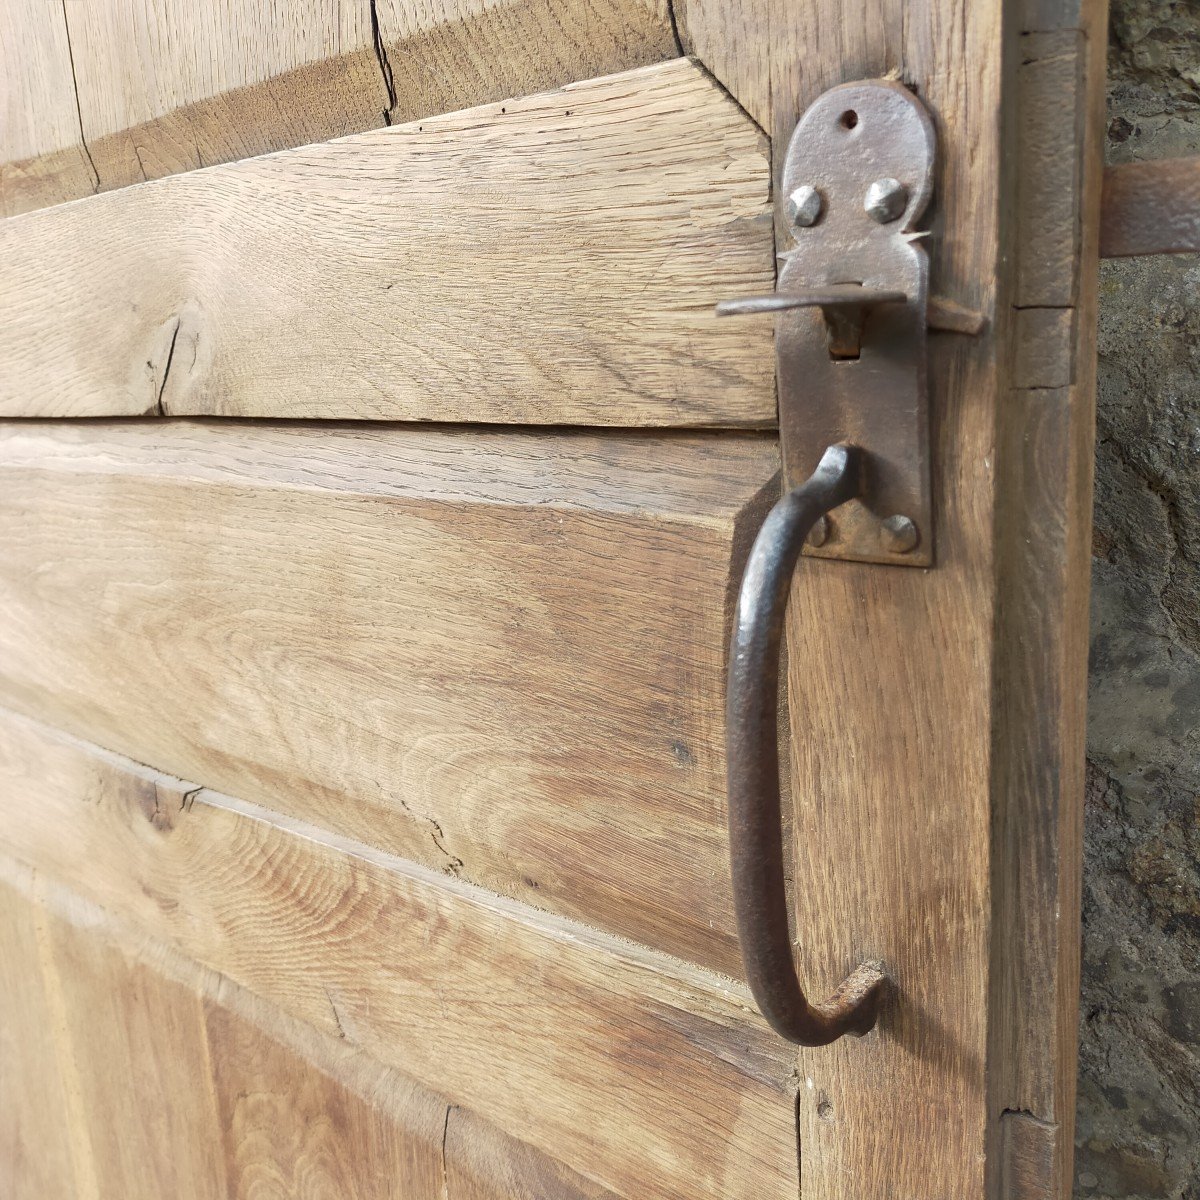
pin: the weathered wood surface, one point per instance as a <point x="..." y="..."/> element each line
<point x="107" y="93"/>
<point x="1151" y="208"/>
<point x="484" y="1164"/>
<point x="42" y="156"/>
<point x="1045" y="449"/>
<point x="645" y="1074"/>
<point x="40" y="1116"/>
<point x="553" y="260"/>
<point x="142" y="1075"/>
<point x="498" y="654"/>
<point x="937" y="716"/>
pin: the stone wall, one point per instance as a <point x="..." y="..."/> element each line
<point x="1139" y="1072"/>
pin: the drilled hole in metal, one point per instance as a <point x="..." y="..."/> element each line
<point x="848" y="119"/>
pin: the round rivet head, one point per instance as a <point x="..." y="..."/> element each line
<point x="886" y="200"/>
<point x="818" y="535"/>
<point x="804" y="206"/>
<point x="898" y="535"/>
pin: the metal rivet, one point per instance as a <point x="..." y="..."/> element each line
<point x="886" y="200"/>
<point x="818" y="535"/>
<point x="898" y="534"/>
<point x="804" y="206"/>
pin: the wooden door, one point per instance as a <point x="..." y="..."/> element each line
<point x="375" y="484"/>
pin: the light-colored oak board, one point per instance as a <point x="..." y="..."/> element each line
<point x="1030" y="1158"/>
<point x="300" y="1111"/>
<point x="132" y="1050"/>
<point x="500" y="654"/>
<point x="185" y="1085"/>
<point x="442" y="56"/>
<point x="554" y="260"/>
<point x="37" y="1132"/>
<point x="889" y="668"/>
<point x="564" y="1037"/>
<point x="936" y="714"/>
<point x="482" y="1163"/>
<point x="43" y="159"/>
<point x="114" y="92"/>
<point x="164" y="86"/>
<point x="290" y="1130"/>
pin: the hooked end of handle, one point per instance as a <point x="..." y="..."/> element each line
<point x="856" y="1004"/>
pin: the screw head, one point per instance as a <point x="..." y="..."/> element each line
<point x="886" y="200"/>
<point x="898" y="535"/>
<point x="818" y="535"/>
<point x="804" y="206"/>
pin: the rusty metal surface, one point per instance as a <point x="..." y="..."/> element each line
<point x="845" y="308"/>
<point x="852" y="309"/>
<point x="1151" y="208"/>
<point x="851" y="138"/>
<point x="844" y="296"/>
<point x="755" y="824"/>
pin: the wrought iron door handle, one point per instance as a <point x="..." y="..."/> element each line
<point x="752" y="751"/>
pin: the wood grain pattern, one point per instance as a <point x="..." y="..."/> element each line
<point x="559" y="1035"/>
<point x="936" y="714"/>
<point x="553" y="260"/>
<point x="43" y="159"/>
<point x="484" y="1164"/>
<point x="188" y="1086"/>
<point x="891" y="740"/>
<point x="132" y="1049"/>
<point x="36" y="1158"/>
<point x="108" y="93"/>
<point x="165" y="86"/>
<point x="442" y="56"/>
<point x="1030" y="1158"/>
<point x="276" y="1108"/>
<point x="289" y="1130"/>
<point x="1043" y="553"/>
<point x="501" y="655"/>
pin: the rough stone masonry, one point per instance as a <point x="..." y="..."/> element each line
<point x="1139" y="1072"/>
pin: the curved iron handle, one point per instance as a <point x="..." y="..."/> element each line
<point x="755" y="831"/>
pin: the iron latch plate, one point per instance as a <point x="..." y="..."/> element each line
<point x="851" y="306"/>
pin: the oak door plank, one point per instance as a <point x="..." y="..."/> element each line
<point x="482" y="1163"/>
<point x="303" y="1112"/>
<point x="500" y="654"/>
<point x="139" y="1063"/>
<point x="290" y="1130"/>
<point x="552" y="260"/>
<point x="937" y="716"/>
<point x="564" y="1037"/>
<point x="114" y="92"/>
<point x="43" y="159"/>
<point x="166" y="86"/>
<point x="192" y="1088"/>
<point x="41" y="1153"/>
<point x="442" y="56"/>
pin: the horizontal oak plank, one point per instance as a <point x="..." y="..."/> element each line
<point x="552" y="260"/>
<point x="500" y="654"/>
<point x="564" y="1037"/>
<point x="260" y="1104"/>
<point x="109" y="93"/>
